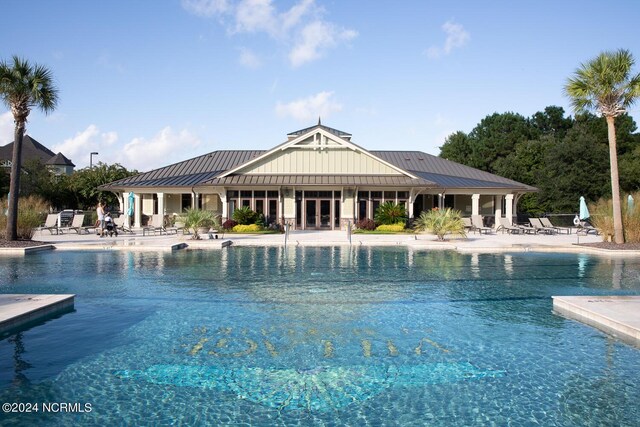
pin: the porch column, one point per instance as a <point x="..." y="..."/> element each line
<point x="509" y="208"/>
<point x="137" y="210"/>
<point x="225" y="208"/>
<point x="193" y="200"/>
<point x="497" y="203"/>
<point x="161" y="204"/>
<point x="475" y="204"/>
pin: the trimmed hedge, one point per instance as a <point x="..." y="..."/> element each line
<point x="250" y="228"/>
<point x="396" y="228"/>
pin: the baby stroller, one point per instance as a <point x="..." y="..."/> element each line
<point x="110" y="227"/>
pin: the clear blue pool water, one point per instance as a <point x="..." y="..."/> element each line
<point x="319" y="336"/>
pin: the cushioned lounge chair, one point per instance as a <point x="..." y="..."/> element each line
<point x="547" y="223"/>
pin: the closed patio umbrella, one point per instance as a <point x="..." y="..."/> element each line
<point x="630" y="205"/>
<point x="584" y="211"/>
<point x="131" y="201"/>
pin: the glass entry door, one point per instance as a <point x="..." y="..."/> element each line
<point x="311" y="208"/>
<point x="317" y="214"/>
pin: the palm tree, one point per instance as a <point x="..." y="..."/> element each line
<point x="22" y="87"/>
<point x="605" y="84"/>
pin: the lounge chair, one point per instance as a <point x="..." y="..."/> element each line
<point x="119" y="222"/>
<point x="76" y="225"/>
<point x="537" y="225"/>
<point x="476" y="220"/>
<point x="157" y="226"/>
<point x="51" y="224"/>
<point x="547" y="223"/>
<point x="585" y="228"/>
<point x="505" y="226"/>
<point x="468" y="226"/>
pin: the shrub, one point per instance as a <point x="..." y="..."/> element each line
<point x="602" y="218"/>
<point x="249" y="228"/>
<point x="366" y="224"/>
<point x="244" y="216"/>
<point x="390" y="213"/>
<point x="440" y="222"/>
<point x="396" y="228"/>
<point x="229" y="224"/>
<point x="197" y="218"/>
<point x="31" y="213"/>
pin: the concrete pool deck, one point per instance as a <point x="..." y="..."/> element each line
<point x="496" y="242"/>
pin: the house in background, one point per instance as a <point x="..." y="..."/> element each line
<point x="58" y="164"/>
<point x="318" y="179"/>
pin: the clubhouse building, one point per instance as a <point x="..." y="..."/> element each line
<point x="318" y="179"/>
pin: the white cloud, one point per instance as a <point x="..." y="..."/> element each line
<point x="254" y="16"/>
<point x="457" y="37"/>
<point x="249" y="59"/>
<point x="205" y="8"/>
<point x="146" y="154"/>
<point x="315" y="38"/>
<point x="78" y="148"/>
<point x="301" y="29"/>
<point x="7" y="128"/>
<point x="312" y="107"/>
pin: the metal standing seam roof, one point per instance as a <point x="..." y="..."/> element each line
<point x="432" y="171"/>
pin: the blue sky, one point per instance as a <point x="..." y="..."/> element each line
<point x="151" y="82"/>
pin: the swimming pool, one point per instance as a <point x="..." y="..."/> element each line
<point x="333" y="335"/>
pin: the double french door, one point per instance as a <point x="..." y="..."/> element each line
<point x="318" y="214"/>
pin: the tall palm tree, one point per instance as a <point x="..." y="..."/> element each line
<point x="605" y="85"/>
<point x="22" y="87"/>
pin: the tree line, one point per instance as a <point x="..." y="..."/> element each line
<point x="565" y="157"/>
<point x="76" y="191"/>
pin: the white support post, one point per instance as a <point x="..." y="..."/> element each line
<point x="475" y="204"/>
<point x="137" y="209"/>
<point x="161" y="204"/>
<point x="497" y="203"/>
<point x="509" y="208"/>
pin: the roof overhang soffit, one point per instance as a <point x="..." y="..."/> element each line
<point x="295" y="143"/>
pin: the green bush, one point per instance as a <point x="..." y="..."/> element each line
<point x="440" y="222"/>
<point x="394" y="228"/>
<point x="194" y="219"/>
<point x="245" y="216"/>
<point x="246" y="228"/>
<point x="390" y="213"/>
<point x="31" y="214"/>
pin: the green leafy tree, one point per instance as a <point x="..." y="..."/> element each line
<point x="457" y="148"/>
<point x="84" y="184"/>
<point x="552" y="122"/>
<point x="23" y="86"/>
<point x="605" y="84"/>
<point x="390" y="213"/>
<point x="194" y="219"/>
<point x="496" y="136"/>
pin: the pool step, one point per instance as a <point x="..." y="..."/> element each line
<point x="19" y="309"/>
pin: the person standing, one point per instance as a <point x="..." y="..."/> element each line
<point x="100" y="212"/>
